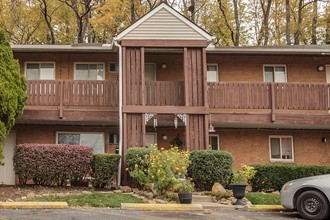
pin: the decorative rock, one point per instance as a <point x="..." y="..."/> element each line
<point x="126" y="189"/>
<point x="23" y="198"/>
<point x="207" y="211"/>
<point x="10" y="200"/>
<point x="86" y="192"/>
<point x="217" y="187"/>
<point x="150" y="195"/>
<point x="30" y="196"/>
<point x="117" y="191"/>
<point x="135" y="190"/>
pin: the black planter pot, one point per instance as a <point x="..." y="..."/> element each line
<point x="239" y="193"/>
<point x="185" y="198"/>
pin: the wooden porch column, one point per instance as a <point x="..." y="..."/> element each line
<point x="206" y="104"/>
<point x="186" y="76"/>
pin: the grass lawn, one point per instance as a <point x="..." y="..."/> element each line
<point x="259" y="198"/>
<point x="112" y="200"/>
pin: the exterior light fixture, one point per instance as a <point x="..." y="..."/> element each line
<point x="164" y="137"/>
<point x="211" y="128"/>
<point x="320" y="68"/>
<point x="176" y="122"/>
<point x="164" y="66"/>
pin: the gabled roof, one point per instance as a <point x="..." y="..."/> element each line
<point x="164" y="23"/>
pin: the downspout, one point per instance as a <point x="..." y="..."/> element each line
<point x="120" y="109"/>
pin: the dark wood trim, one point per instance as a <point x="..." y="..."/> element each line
<point x="164" y="43"/>
<point x="143" y="82"/>
<point x="165" y="109"/>
<point x="69" y="115"/>
<point x="204" y="66"/>
<point x="206" y="129"/>
<point x="187" y="134"/>
<point x="186" y="76"/>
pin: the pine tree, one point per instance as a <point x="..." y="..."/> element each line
<point x="12" y="90"/>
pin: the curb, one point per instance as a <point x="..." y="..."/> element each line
<point x="161" y="207"/>
<point x="266" y="208"/>
<point x="33" y="205"/>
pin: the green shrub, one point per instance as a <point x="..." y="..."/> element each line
<point x="104" y="167"/>
<point x="273" y="176"/>
<point x="51" y="164"/>
<point x="209" y="166"/>
<point x="136" y="155"/>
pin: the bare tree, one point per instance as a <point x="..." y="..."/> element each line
<point x="314" y="22"/>
<point x="82" y="10"/>
<point x="235" y="34"/>
<point x="264" y="31"/>
<point x="288" y="22"/>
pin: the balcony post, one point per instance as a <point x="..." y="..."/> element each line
<point x="61" y="99"/>
<point x="272" y="94"/>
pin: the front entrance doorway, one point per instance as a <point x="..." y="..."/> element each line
<point x="7" y="174"/>
<point x="151" y="139"/>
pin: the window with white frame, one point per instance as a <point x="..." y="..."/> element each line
<point x="212" y="73"/>
<point x="214" y="142"/>
<point x="281" y="148"/>
<point x="89" y="71"/>
<point x="94" y="140"/>
<point x="275" y="73"/>
<point x="37" y="71"/>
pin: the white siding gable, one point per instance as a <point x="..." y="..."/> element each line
<point x="164" y="23"/>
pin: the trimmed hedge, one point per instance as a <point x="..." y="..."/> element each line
<point x="104" y="167"/>
<point x="273" y="176"/>
<point x="51" y="164"/>
<point x="210" y="166"/>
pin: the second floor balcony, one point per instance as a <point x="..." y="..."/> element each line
<point x="63" y="95"/>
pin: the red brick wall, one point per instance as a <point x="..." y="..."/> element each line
<point x="252" y="146"/>
<point x="249" y="68"/>
<point x="237" y="68"/>
<point x="64" y="62"/>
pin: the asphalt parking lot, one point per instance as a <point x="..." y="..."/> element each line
<point x="117" y="214"/>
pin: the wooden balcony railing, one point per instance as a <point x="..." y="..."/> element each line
<point x="286" y="96"/>
<point x="72" y="93"/>
<point x="165" y="93"/>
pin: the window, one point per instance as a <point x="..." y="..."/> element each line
<point x="281" y="148"/>
<point x="37" y="71"/>
<point x="150" y="72"/>
<point x="94" y="140"/>
<point x="274" y="73"/>
<point x="214" y="142"/>
<point x="113" y="67"/>
<point x="91" y="71"/>
<point x="113" y="139"/>
<point x="212" y="73"/>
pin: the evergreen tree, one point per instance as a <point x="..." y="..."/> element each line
<point x="12" y="90"/>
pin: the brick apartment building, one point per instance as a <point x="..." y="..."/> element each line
<point x="161" y="81"/>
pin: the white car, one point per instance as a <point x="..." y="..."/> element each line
<point x="310" y="196"/>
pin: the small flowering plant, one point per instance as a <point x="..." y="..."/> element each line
<point x="244" y="175"/>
